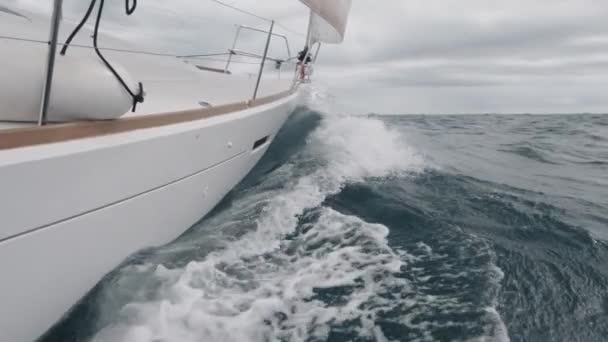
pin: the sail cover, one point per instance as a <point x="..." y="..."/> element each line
<point x="328" y="20"/>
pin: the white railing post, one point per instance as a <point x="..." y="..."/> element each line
<point x="50" y="64"/>
<point x="257" y="85"/>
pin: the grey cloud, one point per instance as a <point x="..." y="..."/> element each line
<point x="477" y="56"/>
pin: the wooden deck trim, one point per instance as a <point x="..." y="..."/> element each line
<point x="38" y="135"/>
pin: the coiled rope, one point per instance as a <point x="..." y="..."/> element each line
<point x="130" y="8"/>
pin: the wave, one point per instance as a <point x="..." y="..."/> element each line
<point x="285" y="266"/>
<point x="346" y="231"/>
<point x="529" y="151"/>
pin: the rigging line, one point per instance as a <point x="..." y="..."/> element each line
<point x="240" y="10"/>
<point x="129" y="51"/>
<point x="290" y="30"/>
<point x="141" y="52"/>
<point x="286" y="28"/>
<point x="255" y="56"/>
<point x="221" y="60"/>
<point x="166" y="11"/>
<point x="194" y="16"/>
<point x="25" y="39"/>
<point x="205" y="55"/>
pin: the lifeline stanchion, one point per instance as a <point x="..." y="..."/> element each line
<point x="50" y="64"/>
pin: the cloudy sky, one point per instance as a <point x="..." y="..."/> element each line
<point x="416" y="56"/>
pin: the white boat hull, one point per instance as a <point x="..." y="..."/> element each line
<point x="72" y="211"/>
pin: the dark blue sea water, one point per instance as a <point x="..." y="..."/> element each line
<point x="385" y="228"/>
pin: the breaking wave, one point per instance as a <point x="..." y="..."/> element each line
<point x="273" y="279"/>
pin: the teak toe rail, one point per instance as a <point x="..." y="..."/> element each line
<point x="39" y="135"/>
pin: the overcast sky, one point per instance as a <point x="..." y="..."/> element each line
<point x="418" y="56"/>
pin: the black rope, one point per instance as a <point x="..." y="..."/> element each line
<point x="77" y="29"/>
<point x="130" y="9"/>
<point x="137" y="98"/>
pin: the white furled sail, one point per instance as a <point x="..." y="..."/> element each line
<point x="328" y="20"/>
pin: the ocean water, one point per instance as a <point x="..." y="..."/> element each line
<point x="384" y="228"/>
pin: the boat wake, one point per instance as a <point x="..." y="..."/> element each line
<point x="282" y="259"/>
<point x="270" y="282"/>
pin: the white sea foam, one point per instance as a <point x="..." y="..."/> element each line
<point x="234" y="296"/>
<point x="270" y="284"/>
<point x="498" y="331"/>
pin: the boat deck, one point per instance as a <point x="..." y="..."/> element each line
<point x="171" y="84"/>
<point x="188" y="88"/>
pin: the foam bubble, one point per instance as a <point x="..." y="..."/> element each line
<point x="270" y="296"/>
